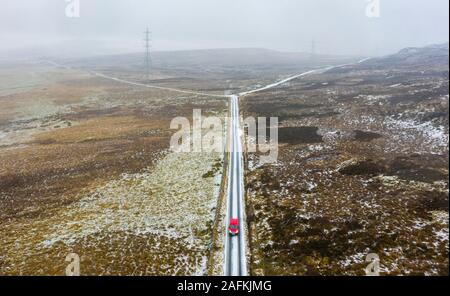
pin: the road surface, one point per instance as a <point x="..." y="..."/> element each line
<point x="235" y="257"/>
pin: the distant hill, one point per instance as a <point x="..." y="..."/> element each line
<point x="417" y="56"/>
<point x="238" y="56"/>
<point x="244" y="58"/>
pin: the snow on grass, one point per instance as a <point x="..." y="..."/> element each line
<point x="39" y="109"/>
<point x="21" y="132"/>
<point x="170" y="207"/>
<point x="172" y="200"/>
<point x="373" y="99"/>
<point x="435" y="136"/>
<point x="441" y="219"/>
<point x="353" y="259"/>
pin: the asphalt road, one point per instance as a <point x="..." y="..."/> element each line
<point x="235" y="258"/>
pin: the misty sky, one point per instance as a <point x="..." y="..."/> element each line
<point x="116" y="26"/>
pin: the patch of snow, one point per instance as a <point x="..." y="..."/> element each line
<point x="353" y="259"/>
<point x="293" y="242"/>
<point x="311" y="185"/>
<point x="167" y="201"/>
<point x="436" y="136"/>
<point x="395" y="85"/>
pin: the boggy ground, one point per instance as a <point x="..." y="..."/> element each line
<point x="85" y="168"/>
<point x="362" y="168"/>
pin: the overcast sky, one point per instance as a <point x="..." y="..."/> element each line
<point x="110" y="26"/>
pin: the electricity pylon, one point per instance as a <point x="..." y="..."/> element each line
<point x="147" y="53"/>
<point x="313" y="49"/>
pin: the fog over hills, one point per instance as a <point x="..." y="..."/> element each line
<point x="335" y="27"/>
<point x="214" y="57"/>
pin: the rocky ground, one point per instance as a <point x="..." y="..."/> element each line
<point x="362" y="168"/>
